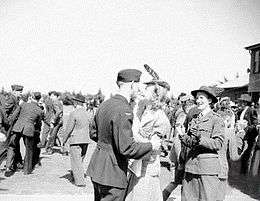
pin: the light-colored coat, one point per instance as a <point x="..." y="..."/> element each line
<point x="77" y="128"/>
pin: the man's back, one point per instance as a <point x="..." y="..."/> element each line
<point x="115" y="145"/>
<point x="29" y="118"/>
<point x="78" y="126"/>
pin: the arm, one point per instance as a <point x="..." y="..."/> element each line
<point x="253" y="120"/>
<point x="13" y="117"/>
<point x="38" y="123"/>
<point x="123" y="137"/>
<point x="69" y="128"/>
<point x="236" y="145"/>
<point x="215" y="142"/>
<point x="58" y="112"/>
<point x="93" y="130"/>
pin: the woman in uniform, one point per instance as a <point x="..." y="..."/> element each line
<point x="204" y="138"/>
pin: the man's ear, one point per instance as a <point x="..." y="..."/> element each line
<point x="132" y="83"/>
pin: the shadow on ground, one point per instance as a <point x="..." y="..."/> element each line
<point x="246" y="184"/>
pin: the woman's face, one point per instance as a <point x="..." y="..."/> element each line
<point x="149" y="92"/>
<point x="202" y="100"/>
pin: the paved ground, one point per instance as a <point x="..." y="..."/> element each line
<point x="52" y="181"/>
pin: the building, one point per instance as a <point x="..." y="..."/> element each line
<point x="254" y="71"/>
<point x="234" y="88"/>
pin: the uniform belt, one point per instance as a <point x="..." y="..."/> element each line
<point x="104" y="146"/>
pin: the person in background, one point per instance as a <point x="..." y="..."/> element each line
<point x="234" y="144"/>
<point x="112" y="130"/>
<point x="187" y="103"/>
<point x="56" y="121"/>
<point x="247" y="119"/>
<point x="68" y="107"/>
<point x="49" y="113"/>
<point x="14" y="159"/>
<point x="77" y="132"/>
<point x="28" y="125"/>
<point x="204" y="138"/>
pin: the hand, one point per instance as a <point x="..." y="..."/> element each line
<point x="180" y="130"/>
<point x="156" y="142"/>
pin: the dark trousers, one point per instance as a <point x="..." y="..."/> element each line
<point x="108" y="193"/>
<point x="13" y="151"/>
<point x="53" y="136"/>
<point x="28" y="159"/>
<point x="245" y="162"/>
<point x="36" y="150"/>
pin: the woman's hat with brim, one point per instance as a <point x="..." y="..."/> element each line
<point x="79" y="98"/>
<point x="207" y="90"/>
<point x="245" y="97"/>
<point x="160" y="83"/>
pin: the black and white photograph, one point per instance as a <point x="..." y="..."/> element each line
<point x="127" y="100"/>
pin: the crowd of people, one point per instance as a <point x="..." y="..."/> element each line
<point x="199" y="132"/>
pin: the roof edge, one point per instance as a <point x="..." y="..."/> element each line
<point x="255" y="46"/>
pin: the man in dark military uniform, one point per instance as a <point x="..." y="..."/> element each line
<point x="28" y="125"/>
<point x="112" y="130"/>
<point x="11" y="104"/>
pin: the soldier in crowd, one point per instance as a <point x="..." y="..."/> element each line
<point x="28" y="125"/>
<point x="56" y="121"/>
<point x="205" y="137"/>
<point x="112" y="130"/>
<point x="11" y="104"/>
<point x="248" y="117"/>
<point x="77" y="131"/>
<point x="49" y="112"/>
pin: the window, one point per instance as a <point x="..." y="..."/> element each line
<point x="256" y="62"/>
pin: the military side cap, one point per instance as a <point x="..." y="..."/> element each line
<point x="17" y="87"/>
<point x="161" y="83"/>
<point x="37" y="95"/>
<point x="245" y="97"/>
<point x="79" y="98"/>
<point x="208" y="90"/>
<point x="129" y="75"/>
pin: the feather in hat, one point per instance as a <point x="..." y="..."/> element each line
<point x="151" y="72"/>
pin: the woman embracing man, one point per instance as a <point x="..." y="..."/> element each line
<point x="150" y="121"/>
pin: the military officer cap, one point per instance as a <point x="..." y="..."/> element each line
<point x="161" y="83"/>
<point x="16" y="87"/>
<point x="37" y="95"/>
<point x="129" y="75"/>
<point x="207" y="90"/>
<point x="79" y="98"/>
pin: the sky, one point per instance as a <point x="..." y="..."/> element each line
<point x="81" y="45"/>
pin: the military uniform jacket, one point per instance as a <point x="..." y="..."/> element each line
<point x="203" y="158"/>
<point x="29" y="119"/>
<point x="77" y="128"/>
<point x="112" y="130"/>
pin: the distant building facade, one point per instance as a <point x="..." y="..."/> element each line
<point x="254" y="71"/>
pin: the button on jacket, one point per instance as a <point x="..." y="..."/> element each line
<point x="203" y="158"/>
<point x="112" y="129"/>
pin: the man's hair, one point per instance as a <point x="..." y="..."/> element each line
<point x="55" y="93"/>
<point x="119" y="83"/>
